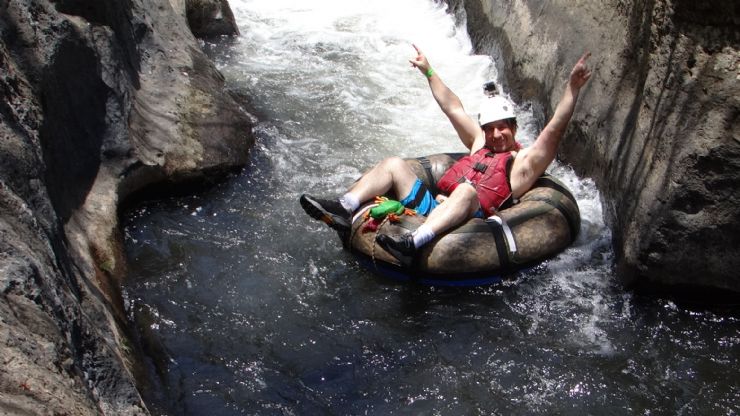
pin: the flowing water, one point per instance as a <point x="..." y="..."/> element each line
<point x="247" y="306"/>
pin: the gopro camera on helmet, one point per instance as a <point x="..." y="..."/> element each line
<point x="489" y="89"/>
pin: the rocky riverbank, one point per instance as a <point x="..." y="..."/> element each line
<point x="99" y="100"/>
<point x="657" y="128"/>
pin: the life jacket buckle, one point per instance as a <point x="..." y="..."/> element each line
<point x="480" y="167"/>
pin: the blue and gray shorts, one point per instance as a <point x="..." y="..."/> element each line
<point x="422" y="201"/>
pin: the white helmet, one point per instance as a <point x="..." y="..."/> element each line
<point x="494" y="109"/>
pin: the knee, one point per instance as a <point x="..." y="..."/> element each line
<point x="397" y="168"/>
<point x="393" y="163"/>
<point x="466" y="194"/>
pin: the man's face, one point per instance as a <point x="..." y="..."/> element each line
<point x="499" y="136"/>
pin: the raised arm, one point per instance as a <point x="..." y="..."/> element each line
<point x="533" y="161"/>
<point x="467" y="128"/>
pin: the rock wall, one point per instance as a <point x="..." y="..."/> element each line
<point x="657" y="127"/>
<point x="99" y="99"/>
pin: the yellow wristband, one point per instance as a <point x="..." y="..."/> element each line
<point x="429" y="72"/>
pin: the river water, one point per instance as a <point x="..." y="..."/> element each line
<point x="246" y="306"/>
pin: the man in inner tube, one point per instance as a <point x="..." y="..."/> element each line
<point x="496" y="170"/>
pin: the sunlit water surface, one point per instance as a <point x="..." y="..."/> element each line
<point x="249" y="307"/>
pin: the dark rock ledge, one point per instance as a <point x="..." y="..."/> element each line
<point x="657" y="128"/>
<point x="99" y="99"/>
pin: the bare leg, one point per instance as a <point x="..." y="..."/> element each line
<point x="459" y="206"/>
<point x="389" y="174"/>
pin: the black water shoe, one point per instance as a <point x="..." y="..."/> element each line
<point x="329" y="211"/>
<point x="399" y="246"/>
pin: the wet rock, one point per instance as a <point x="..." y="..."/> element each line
<point x="657" y="127"/>
<point x="99" y="99"/>
<point x="210" y="18"/>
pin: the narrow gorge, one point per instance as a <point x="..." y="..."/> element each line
<point x="108" y="102"/>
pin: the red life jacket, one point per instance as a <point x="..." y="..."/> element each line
<point x="487" y="172"/>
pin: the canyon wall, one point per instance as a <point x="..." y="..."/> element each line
<point x="656" y="128"/>
<point x="99" y="100"/>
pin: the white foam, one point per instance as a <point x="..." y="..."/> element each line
<point x="335" y="74"/>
